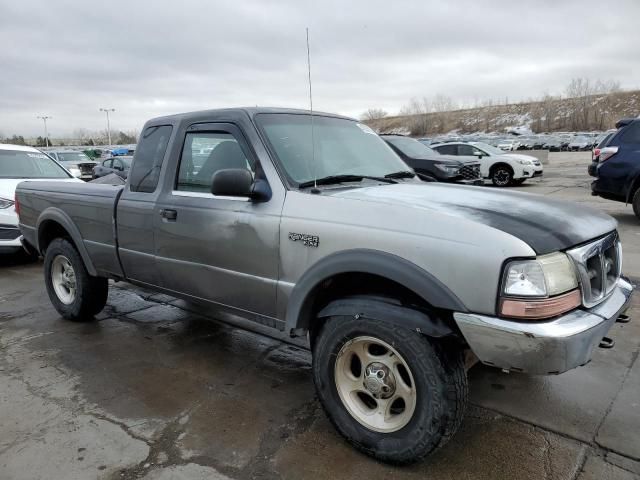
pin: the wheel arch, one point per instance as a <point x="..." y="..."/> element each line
<point x="634" y="185"/>
<point x="54" y="223"/>
<point x="501" y="164"/>
<point x="307" y="298"/>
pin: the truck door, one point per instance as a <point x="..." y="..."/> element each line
<point x="220" y="249"/>
<point x="136" y="208"/>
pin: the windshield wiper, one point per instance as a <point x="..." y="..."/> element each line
<point x="402" y="174"/>
<point x="332" y="179"/>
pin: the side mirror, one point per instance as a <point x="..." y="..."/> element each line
<point x="479" y="155"/>
<point x="232" y="182"/>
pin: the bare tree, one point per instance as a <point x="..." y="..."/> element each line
<point x="373" y="114"/>
<point x="417" y="111"/>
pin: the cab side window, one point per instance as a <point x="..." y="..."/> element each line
<point x="148" y="159"/>
<point x="204" y="154"/>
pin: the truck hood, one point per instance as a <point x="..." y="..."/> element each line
<point x="545" y="224"/>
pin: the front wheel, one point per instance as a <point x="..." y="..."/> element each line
<point x="502" y="176"/>
<point x="391" y="392"/>
<point x="74" y="293"/>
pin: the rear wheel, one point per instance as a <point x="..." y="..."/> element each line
<point x="391" y="392"/>
<point x="74" y="293"/>
<point x="636" y="203"/>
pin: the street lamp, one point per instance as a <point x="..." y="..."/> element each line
<point x="107" y="110"/>
<point x="44" y="118"/>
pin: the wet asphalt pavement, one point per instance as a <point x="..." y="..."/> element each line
<point x="154" y="389"/>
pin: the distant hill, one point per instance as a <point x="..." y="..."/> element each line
<point x="552" y="114"/>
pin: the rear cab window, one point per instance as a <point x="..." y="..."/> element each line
<point x="149" y="156"/>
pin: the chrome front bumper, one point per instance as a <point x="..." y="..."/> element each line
<point x="544" y="348"/>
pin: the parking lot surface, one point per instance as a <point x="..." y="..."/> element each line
<point x="155" y="389"/>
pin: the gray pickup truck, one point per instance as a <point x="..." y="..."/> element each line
<point x="313" y="226"/>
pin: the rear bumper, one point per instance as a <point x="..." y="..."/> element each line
<point x="544" y="348"/>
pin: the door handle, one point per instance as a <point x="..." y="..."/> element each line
<point x="168" y="214"/>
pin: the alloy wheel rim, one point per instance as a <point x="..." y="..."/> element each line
<point x="375" y="384"/>
<point x="502" y="177"/>
<point x="63" y="279"/>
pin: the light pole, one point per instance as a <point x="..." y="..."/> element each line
<point x="44" y="118"/>
<point x="107" y="110"/>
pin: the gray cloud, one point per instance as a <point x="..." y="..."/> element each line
<point x="148" y="58"/>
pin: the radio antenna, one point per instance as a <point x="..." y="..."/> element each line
<point x="313" y="143"/>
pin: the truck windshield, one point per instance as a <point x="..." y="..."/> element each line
<point x="342" y="147"/>
<point x="23" y="164"/>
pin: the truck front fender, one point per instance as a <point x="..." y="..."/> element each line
<point x="53" y="215"/>
<point x="374" y="262"/>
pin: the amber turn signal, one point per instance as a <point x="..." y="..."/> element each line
<point x="539" y="309"/>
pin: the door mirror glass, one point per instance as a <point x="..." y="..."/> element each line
<point x="232" y="182"/>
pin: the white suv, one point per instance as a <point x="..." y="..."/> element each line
<point x="500" y="167"/>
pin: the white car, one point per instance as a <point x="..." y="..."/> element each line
<point x="509" y="145"/>
<point x="17" y="164"/>
<point x="500" y="167"/>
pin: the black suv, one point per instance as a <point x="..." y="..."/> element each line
<point x="617" y="165"/>
<point x="429" y="163"/>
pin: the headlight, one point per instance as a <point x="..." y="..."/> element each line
<point x="5" y="203"/>
<point x="547" y="276"/>
<point x="525" y="162"/>
<point x="451" y="169"/>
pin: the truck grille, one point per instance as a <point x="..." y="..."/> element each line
<point x="599" y="265"/>
<point x="470" y="172"/>
<point x="9" y="232"/>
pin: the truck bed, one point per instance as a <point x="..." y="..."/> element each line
<point x="87" y="208"/>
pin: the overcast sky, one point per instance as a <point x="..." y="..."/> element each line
<point x="148" y="58"/>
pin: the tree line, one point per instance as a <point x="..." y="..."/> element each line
<point x="584" y="105"/>
<point x="80" y="136"/>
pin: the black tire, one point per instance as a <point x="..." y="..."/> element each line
<point x="90" y="292"/>
<point x="440" y="386"/>
<point x="501" y="175"/>
<point x="636" y="203"/>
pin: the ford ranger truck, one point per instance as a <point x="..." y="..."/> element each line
<point x="314" y="227"/>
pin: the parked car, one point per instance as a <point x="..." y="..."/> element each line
<point x="508" y="145"/>
<point x="580" y="144"/>
<point x="526" y="143"/>
<point x="501" y="168"/>
<point x="78" y="163"/>
<point x="118" y="165"/>
<point x="540" y="143"/>
<point x="18" y="163"/>
<point x="617" y="170"/>
<point x="392" y="279"/>
<point x="428" y="162"/>
<point x="121" y="151"/>
<point x="553" y="144"/>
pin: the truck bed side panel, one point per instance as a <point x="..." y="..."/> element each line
<point x="90" y="207"/>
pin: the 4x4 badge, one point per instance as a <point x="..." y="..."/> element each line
<point x="307" y="240"/>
